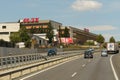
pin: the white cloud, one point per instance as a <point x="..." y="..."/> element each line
<point x="83" y="5"/>
<point x="102" y="28"/>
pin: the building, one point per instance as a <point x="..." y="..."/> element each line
<point x="77" y="36"/>
<point x="38" y="29"/>
<point x="7" y="28"/>
<point x="81" y="36"/>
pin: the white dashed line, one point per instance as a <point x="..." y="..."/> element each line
<point x="113" y="69"/>
<point x="74" y="74"/>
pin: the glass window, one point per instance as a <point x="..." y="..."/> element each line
<point x="3" y="27"/>
<point x="40" y="42"/>
<point x="4" y="33"/>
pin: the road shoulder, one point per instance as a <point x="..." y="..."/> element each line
<point x="116" y="64"/>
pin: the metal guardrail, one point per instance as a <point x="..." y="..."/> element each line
<point x="8" y="74"/>
<point x="19" y="60"/>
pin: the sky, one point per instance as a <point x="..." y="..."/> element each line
<point x="99" y="16"/>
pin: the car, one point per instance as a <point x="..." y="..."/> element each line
<point x="52" y="52"/>
<point x="88" y="54"/>
<point x="104" y="53"/>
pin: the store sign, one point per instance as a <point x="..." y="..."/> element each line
<point x="30" y="20"/>
<point x="67" y="40"/>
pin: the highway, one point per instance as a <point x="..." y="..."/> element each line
<point x="98" y="68"/>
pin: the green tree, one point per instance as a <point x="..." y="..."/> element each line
<point x="50" y="33"/>
<point x="66" y="32"/>
<point x="21" y="36"/>
<point x="100" y="39"/>
<point x="112" y="39"/>
<point x="15" y="37"/>
<point x="31" y="30"/>
<point x="24" y="35"/>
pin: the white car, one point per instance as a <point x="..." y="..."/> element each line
<point x="104" y="53"/>
<point x="92" y="50"/>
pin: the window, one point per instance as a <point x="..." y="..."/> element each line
<point x="3" y="27"/>
<point x="40" y="42"/>
<point x="45" y="26"/>
<point x="4" y="33"/>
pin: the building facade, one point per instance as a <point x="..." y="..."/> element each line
<point x="7" y="28"/>
<point x="77" y="36"/>
<point x="81" y="36"/>
<point x="39" y="29"/>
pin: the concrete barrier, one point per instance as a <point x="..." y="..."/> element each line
<point x="33" y="68"/>
<point x="15" y="75"/>
<point x="26" y="71"/>
<point x="40" y="67"/>
<point x="6" y="77"/>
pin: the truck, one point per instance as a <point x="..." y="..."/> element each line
<point x="112" y="48"/>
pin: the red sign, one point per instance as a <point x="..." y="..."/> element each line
<point x="30" y="20"/>
<point x="67" y="40"/>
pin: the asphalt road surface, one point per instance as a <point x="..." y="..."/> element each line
<point x="98" y="68"/>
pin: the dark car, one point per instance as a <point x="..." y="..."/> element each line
<point x="88" y="54"/>
<point x="52" y="52"/>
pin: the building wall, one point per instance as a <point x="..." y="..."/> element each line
<point x="55" y="25"/>
<point x="7" y="28"/>
<point x="43" y="24"/>
<point x="80" y="36"/>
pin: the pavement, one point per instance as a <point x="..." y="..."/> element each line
<point x="98" y="68"/>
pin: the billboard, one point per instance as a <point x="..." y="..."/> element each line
<point x="66" y="40"/>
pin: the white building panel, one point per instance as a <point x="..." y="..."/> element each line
<point x="5" y="37"/>
<point x="7" y="28"/>
<point x="10" y="27"/>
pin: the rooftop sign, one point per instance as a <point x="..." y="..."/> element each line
<point x="30" y="20"/>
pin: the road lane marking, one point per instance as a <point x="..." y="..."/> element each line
<point x="83" y="65"/>
<point x="113" y="69"/>
<point x="74" y="74"/>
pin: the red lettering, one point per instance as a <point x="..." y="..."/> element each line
<point x="36" y="19"/>
<point x="27" y="20"/>
<point x="32" y="20"/>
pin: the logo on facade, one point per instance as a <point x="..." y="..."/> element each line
<point x="30" y="20"/>
<point x="111" y="46"/>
